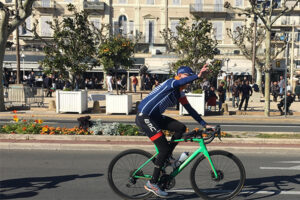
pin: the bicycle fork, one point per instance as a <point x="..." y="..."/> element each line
<point x="203" y="150"/>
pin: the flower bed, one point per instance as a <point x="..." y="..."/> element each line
<point x="36" y="126"/>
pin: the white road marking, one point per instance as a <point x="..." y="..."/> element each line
<point x="256" y="125"/>
<point x="297" y="167"/>
<point x="246" y="191"/>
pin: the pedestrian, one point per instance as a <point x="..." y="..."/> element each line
<point x="235" y="88"/>
<point x="211" y="98"/>
<point x="31" y="79"/>
<point x="221" y="92"/>
<point x="48" y="85"/>
<point x="246" y="91"/>
<point x="109" y="82"/>
<point x="123" y="84"/>
<point x="281" y="85"/>
<point x="289" y="100"/>
<point x="275" y="90"/>
<point x="134" y="83"/>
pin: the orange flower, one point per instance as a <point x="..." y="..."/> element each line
<point x="40" y="121"/>
<point x="36" y="121"/>
<point x="24" y="120"/>
<point x="14" y="111"/>
<point x="52" y="133"/>
<point x="15" y="116"/>
<point x="105" y="50"/>
<point x="33" y="125"/>
<point x="24" y="128"/>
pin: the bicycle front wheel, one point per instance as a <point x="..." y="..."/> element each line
<point x="120" y="174"/>
<point x="231" y="176"/>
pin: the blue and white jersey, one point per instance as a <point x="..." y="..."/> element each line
<point x="167" y="95"/>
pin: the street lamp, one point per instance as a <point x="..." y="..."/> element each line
<point x="23" y="66"/>
<point x="227" y="60"/>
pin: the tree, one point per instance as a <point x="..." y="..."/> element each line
<point x="73" y="49"/>
<point x="10" y="19"/>
<point x="264" y="10"/>
<point x="192" y="43"/>
<point x="243" y="37"/>
<point x="115" y="52"/>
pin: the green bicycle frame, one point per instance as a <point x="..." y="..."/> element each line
<point x="201" y="149"/>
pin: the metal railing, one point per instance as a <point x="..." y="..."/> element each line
<point x="208" y="8"/>
<point x="18" y="95"/>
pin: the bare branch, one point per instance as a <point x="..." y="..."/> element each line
<point x="285" y="11"/>
<point x="24" y="12"/>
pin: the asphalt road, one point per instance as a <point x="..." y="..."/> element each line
<point x="72" y="175"/>
<point x="243" y="127"/>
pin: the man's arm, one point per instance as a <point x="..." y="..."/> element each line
<point x="183" y="100"/>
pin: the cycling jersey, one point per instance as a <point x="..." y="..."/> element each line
<point x="166" y="95"/>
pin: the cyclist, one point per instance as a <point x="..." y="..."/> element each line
<point x="150" y="119"/>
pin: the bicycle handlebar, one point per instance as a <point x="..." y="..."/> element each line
<point x="210" y="132"/>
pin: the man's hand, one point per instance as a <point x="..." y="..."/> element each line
<point x="204" y="69"/>
<point x="210" y="126"/>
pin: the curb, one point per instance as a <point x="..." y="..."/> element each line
<point x="104" y="138"/>
<point x="118" y="143"/>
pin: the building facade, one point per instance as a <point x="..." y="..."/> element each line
<point x="149" y="17"/>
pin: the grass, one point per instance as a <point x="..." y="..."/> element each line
<point x="287" y="136"/>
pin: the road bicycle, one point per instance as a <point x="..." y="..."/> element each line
<point x="217" y="174"/>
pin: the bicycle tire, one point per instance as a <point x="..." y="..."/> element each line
<point x="231" y="172"/>
<point x="119" y="176"/>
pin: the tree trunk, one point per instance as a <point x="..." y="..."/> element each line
<point x="3" y="41"/>
<point x="267" y="73"/>
<point x="259" y="78"/>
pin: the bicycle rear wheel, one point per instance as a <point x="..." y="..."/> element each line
<point x="231" y="174"/>
<point x="120" y="172"/>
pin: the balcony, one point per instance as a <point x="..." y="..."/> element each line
<point x="93" y="6"/>
<point x="204" y="9"/>
<point x="44" y="4"/>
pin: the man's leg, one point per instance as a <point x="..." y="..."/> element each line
<point x="242" y="101"/>
<point x="279" y="106"/>
<point x="168" y="123"/>
<point x="246" y="103"/>
<point x="155" y="134"/>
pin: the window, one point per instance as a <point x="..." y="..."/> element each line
<point x="45" y="27"/>
<point x="149" y="36"/>
<point x="285" y="20"/>
<point x="123" y="24"/>
<point x="46" y="3"/>
<point x="122" y="1"/>
<point x="176" y="2"/>
<point x="278" y="64"/>
<point x="174" y="23"/>
<point x="234" y="29"/>
<point x="218" y="30"/>
<point x="95" y="22"/>
<point x="151" y="2"/>
<point x="198" y="5"/>
<point x="239" y="3"/>
<point x="8" y="1"/>
<point x="298" y="37"/>
<point x="116" y="27"/>
<point x="219" y="5"/>
<point x="131" y="27"/>
<point x="27" y="25"/>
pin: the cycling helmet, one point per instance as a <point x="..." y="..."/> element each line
<point x="185" y="70"/>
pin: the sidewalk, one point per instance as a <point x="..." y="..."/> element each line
<point x="96" y="142"/>
<point x="254" y="115"/>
